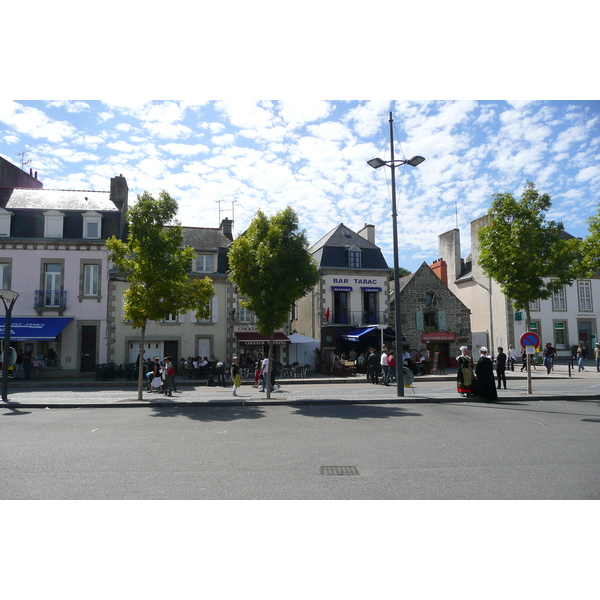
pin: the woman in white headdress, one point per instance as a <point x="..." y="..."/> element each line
<point x="484" y="385"/>
<point x="464" y="377"/>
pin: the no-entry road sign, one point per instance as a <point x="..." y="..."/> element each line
<point x="530" y="338"/>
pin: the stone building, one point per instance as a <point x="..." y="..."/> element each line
<point x="434" y="320"/>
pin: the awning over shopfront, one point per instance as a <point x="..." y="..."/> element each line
<point x="251" y="338"/>
<point x="34" y="328"/>
<point x="354" y="336"/>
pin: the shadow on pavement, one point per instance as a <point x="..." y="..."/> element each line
<point x="353" y="411"/>
<point x="14" y="411"/>
<point x="208" y="414"/>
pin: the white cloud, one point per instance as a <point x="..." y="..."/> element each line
<point x="33" y="122"/>
<point x="588" y="174"/>
<point x="223" y="140"/>
<point x="185" y="149"/>
<point x="297" y="113"/>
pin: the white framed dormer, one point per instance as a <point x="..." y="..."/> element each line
<point x="354" y="260"/>
<point x="92" y="225"/>
<point x="206" y="263"/>
<point x="53" y="223"/>
<point x="5" y="218"/>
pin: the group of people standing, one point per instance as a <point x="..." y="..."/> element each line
<point x="161" y="376"/>
<point x="478" y="380"/>
<point x="381" y="365"/>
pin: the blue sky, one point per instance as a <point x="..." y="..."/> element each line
<point x="311" y="155"/>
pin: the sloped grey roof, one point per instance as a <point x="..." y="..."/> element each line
<point x="40" y="199"/>
<point x="341" y="237"/>
<point x="205" y="238"/>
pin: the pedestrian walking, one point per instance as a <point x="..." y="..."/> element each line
<point x="548" y="354"/>
<point x="168" y="372"/>
<point x="373" y="366"/>
<point x="391" y="366"/>
<point x="511" y="357"/>
<point x="258" y="369"/>
<point x="383" y="361"/>
<point x="234" y="369"/>
<point x="501" y="367"/>
<point x="580" y="357"/>
<point x="483" y="384"/>
<point x="26" y="362"/>
<point x="597" y="357"/>
<point x="464" y="376"/>
<point x="220" y="373"/>
<point x="264" y="371"/>
<point x="18" y="363"/>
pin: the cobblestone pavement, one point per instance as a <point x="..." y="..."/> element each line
<point x="315" y="389"/>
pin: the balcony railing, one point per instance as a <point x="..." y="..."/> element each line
<point x="356" y="318"/>
<point x="50" y="299"/>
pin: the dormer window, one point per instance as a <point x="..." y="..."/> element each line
<point x="5" y="216"/>
<point x="354" y="257"/>
<point x="205" y="263"/>
<point x="92" y="225"/>
<point x="53" y="224"/>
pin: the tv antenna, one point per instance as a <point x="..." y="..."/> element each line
<point x="23" y="161"/>
<point x="232" y="209"/>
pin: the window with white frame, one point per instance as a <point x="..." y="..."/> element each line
<point x="90" y="280"/>
<point x="205" y="263"/>
<point x="560" y="336"/>
<point x="172" y="318"/>
<point x="535" y="305"/>
<point x="559" y="300"/>
<point x="585" y="295"/>
<point x="245" y="315"/>
<point x="5" y="217"/>
<point x="53" y="224"/>
<point x="4" y="276"/>
<point x="354" y="258"/>
<point x="92" y="225"/>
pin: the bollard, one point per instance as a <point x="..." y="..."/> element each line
<point x="569" y="365"/>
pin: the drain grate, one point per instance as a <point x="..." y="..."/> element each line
<point x="339" y="471"/>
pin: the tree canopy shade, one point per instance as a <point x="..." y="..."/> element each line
<point x="529" y="257"/>
<point x="272" y="268"/>
<point x="590" y="249"/>
<point x="157" y="267"/>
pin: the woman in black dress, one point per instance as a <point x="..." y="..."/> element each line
<point x="484" y="385"/>
<point x="464" y="376"/>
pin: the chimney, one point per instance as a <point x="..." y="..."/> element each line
<point x="368" y="232"/>
<point x="35" y="175"/>
<point x="449" y="251"/>
<point x="119" y="192"/>
<point x="227" y="228"/>
<point x="440" y="268"/>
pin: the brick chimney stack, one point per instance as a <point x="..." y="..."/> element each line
<point x="440" y="268"/>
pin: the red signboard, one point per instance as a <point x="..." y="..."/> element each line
<point x="438" y="337"/>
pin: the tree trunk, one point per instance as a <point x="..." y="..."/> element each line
<point x="141" y="373"/>
<point x="527" y="326"/>
<point x="270" y="357"/>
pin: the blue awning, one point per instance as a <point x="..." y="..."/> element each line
<point x="34" y="328"/>
<point x="341" y="288"/>
<point x="355" y="334"/>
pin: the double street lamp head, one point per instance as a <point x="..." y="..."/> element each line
<point x="415" y="161"/>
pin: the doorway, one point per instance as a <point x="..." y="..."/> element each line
<point x="88" y="349"/>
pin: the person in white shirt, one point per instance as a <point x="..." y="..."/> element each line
<point x="512" y="357"/>
<point x="384" y="367"/>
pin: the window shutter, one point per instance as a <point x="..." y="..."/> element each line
<point x="193" y="316"/>
<point x="214" y="309"/>
<point x="442" y="320"/>
<point x="181" y="318"/>
<point x="419" y="316"/>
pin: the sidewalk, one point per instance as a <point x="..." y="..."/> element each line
<point x="314" y="389"/>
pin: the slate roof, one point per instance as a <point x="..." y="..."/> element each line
<point x="205" y="238"/>
<point x="63" y="200"/>
<point x="331" y="251"/>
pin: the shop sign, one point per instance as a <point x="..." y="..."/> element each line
<point x="438" y="337"/>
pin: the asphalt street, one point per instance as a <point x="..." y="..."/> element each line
<point x="446" y="450"/>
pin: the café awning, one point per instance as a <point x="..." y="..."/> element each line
<point x="34" y="328"/>
<point x="245" y="337"/>
<point x="355" y="334"/>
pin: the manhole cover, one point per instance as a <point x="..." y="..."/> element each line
<point x="339" y="471"/>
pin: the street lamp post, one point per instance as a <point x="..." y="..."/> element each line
<point x="376" y="163"/>
<point x="8" y="299"/>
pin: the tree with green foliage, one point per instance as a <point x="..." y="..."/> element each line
<point x="157" y="268"/>
<point x="272" y="268"/>
<point x="527" y="255"/>
<point x="402" y="272"/>
<point x="590" y="249"/>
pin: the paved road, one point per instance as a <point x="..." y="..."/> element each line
<point x="451" y="450"/>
